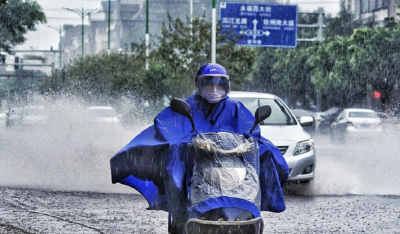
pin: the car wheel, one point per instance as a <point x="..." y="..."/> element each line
<point x="342" y="138"/>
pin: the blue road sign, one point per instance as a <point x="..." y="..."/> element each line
<point x="261" y="24"/>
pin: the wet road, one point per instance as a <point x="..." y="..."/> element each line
<point x="39" y="211"/>
<point x="356" y="189"/>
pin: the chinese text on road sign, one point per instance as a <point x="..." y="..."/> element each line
<point x="261" y="24"/>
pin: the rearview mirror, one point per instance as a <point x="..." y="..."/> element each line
<point x="306" y="120"/>
<point x="181" y="107"/>
<point x="262" y="113"/>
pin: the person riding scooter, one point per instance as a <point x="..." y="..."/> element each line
<point x="156" y="161"/>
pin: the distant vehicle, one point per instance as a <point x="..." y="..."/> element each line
<point x="391" y="123"/>
<point x="318" y="119"/>
<point x="388" y="119"/>
<point x="355" y="123"/>
<point x="13" y="116"/>
<point x="103" y="114"/>
<point x="300" y="113"/>
<point x="34" y="115"/>
<point x="285" y="132"/>
<point x="328" y="117"/>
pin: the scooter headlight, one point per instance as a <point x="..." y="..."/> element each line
<point x="303" y="147"/>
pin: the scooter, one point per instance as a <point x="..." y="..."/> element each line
<point x="223" y="188"/>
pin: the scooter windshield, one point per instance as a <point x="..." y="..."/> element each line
<point x="225" y="165"/>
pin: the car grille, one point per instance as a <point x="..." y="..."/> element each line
<point x="283" y="149"/>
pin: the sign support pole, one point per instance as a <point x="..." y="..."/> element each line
<point x="109" y="25"/>
<point x="147" y="35"/>
<point x="213" y="32"/>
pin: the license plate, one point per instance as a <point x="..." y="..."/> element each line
<point x="365" y="125"/>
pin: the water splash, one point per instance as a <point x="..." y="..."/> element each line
<point x="69" y="152"/>
<point x="362" y="166"/>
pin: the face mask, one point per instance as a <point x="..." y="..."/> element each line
<point x="214" y="89"/>
<point x="213" y="95"/>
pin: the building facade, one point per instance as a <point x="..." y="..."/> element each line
<point x="127" y="24"/>
<point x="375" y="11"/>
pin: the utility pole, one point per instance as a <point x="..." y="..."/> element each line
<point x="82" y="13"/>
<point x="59" y="30"/>
<point x="59" y="44"/>
<point x="213" y="32"/>
<point x="147" y="35"/>
<point x="191" y="17"/>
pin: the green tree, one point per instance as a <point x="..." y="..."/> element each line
<point x="183" y="50"/>
<point x="16" y="19"/>
<point x="332" y="74"/>
<point x="105" y="76"/>
<point x="324" y="68"/>
<point x="375" y="57"/>
<point x="341" y="25"/>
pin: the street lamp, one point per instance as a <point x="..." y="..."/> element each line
<point x="82" y="13"/>
<point x="59" y="29"/>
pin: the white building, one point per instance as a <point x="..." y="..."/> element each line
<point x="376" y="11"/>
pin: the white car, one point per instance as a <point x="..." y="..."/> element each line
<point x="104" y="115"/>
<point x="354" y="123"/>
<point x="285" y="132"/>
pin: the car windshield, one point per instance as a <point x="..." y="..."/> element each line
<point x="108" y="113"/>
<point x="280" y="115"/>
<point x="332" y="111"/>
<point x="363" y="115"/>
<point x="299" y="112"/>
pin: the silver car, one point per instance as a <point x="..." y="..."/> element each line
<point x="354" y="123"/>
<point x="285" y="132"/>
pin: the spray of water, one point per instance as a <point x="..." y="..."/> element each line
<point x="67" y="151"/>
<point x="360" y="166"/>
<point x="71" y="152"/>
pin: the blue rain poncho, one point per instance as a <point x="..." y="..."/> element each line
<point x="155" y="163"/>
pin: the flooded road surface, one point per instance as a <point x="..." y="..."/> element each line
<point x="40" y="211"/>
<point x="55" y="178"/>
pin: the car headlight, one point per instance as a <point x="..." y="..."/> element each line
<point x="303" y="147"/>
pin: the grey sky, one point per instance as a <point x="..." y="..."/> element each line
<point x="45" y="37"/>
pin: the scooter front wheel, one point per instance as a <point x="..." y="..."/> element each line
<point x="199" y="226"/>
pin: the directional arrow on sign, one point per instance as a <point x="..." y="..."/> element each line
<point x="255" y="22"/>
<point x="267" y="33"/>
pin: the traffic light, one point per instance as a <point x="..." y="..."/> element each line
<point x="3" y="58"/>
<point x="16" y="61"/>
<point x="377" y="94"/>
